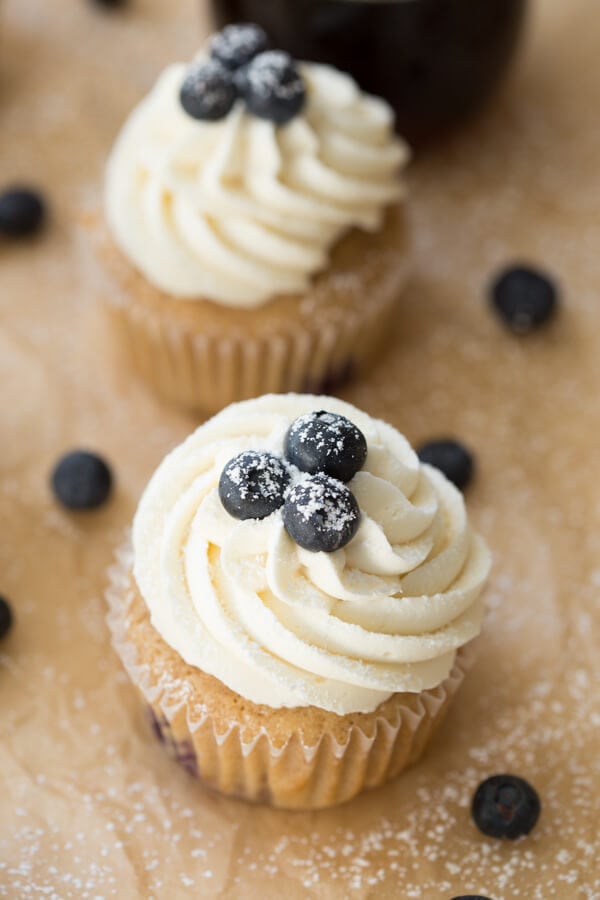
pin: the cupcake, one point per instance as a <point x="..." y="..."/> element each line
<point x="300" y="603"/>
<point x="253" y="236"/>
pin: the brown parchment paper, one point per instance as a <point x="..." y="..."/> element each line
<point x="90" y="807"/>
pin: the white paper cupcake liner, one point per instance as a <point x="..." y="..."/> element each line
<point x="293" y="774"/>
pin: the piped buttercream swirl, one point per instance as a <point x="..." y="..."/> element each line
<point x="285" y="627"/>
<point x="240" y="210"/>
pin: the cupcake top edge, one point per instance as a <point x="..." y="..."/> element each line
<point x="296" y="549"/>
<point x="232" y="182"/>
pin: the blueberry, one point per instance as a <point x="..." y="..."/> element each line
<point x="6" y="617"/>
<point x="208" y="91"/>
<point x="236" y="45"/>
<point x="81" y="480"/>
<point x="451" y="458"/>
<point x="110" y="4"/>
<point x="22" y="212"/>
<point x="471" y="897"/>
<point x="272" y="87"/>
<point x="252" y="485"/>
<point x="326" y="442"/>
<point x="321" y="514"/>
<point x="525" y="298"/>
<point x="505" y="806"/>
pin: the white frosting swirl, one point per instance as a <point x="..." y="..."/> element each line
<point x="286" y="627"/>
<point x="238" y="211"/>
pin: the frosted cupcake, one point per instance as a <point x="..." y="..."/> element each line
<point x="254" y="237"/>
<point x="302" y="600"/>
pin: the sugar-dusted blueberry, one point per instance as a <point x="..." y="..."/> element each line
<point x="82" y="480"/>
<point x="321" y="514"/>
<point x="253" y="484"/>
<point x="22" y="212"/>
<point x="272" y="86"/>
<point x="208" y="91"/>
<point x="524" y="297"/>
<point x="326" y="442"/>
<point x="451" y="458"/>
<point x="237" y="44"/>
<point x="6" y="617"/>
<point x="505" y="806"/>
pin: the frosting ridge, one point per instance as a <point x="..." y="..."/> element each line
<point x="286" y="627"/>
<point x="240" y="210"/>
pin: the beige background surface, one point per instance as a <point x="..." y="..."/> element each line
<point x="89" y="805"/>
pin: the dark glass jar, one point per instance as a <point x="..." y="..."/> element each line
<point x="435" y="61"/>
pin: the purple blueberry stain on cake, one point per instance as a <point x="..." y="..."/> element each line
<point x="241" y="67"/>
<point x="322" y="451"/>
<point x="182" y="751"/>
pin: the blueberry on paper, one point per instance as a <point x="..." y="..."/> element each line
<point x="252" y="485"/>
<point x="471" y="897"/>
<point x="321" y="514"/>
<point x="82" y="480"/>
<point x="208" y="91"/>
<point x="6" y="617"/>
<point x="505" y="806"/>
<point x="525" y="298"/>
<point x="236" y="45"/>
<point x="110" y="4"/>
<point x="451" y="458"/>
<point x="22" y="212"/>
<point x="272" y="87"/>
<point x="326" y="442"/>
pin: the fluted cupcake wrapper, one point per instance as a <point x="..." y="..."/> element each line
<point x="292" y="774"/>
<point x="204" y="356"/>
<point x="210" y="371"/>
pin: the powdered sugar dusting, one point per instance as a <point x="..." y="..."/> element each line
<point x="257" y="475"/>
<point x="324" y="501"/>
<point x="236" y="44"/>
<point x="91" y="806"/>
<point x="273" y="74"/>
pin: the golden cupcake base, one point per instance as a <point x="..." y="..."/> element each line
<point x="292" y="758"/>
<point x="203" y="356"/>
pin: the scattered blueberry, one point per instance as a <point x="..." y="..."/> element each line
<point x="272" y="86"/>
<point x="505" y="806"/>
<point x="110" y="4"/>
<point x="81" y="480"/>
<point x="525" y="298"/>
<point x="236" y="45"/>
<point x="326" y="442"/>
<point x="252" y="485"/>
<point x="321" y="514"/>
<point x="471" y="897"/>
<point x="6" y="617"/>
<point x="208" y="91"/>
<point x="22" y="212"/>
<point x="451" y="458"/>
